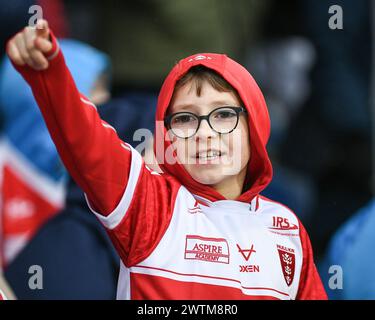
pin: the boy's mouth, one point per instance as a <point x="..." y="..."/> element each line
<point x="208" y="155"/>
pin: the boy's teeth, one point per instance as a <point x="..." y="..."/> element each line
<point x="209" y="154"/>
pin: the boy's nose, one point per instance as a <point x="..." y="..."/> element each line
<point x="205" y="131"/>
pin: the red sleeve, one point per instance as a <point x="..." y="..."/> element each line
<point x="134" y="203"/>
<point x="143" y="214"/>
<point x="92" y="152"/>
<point x="310" y="284"/>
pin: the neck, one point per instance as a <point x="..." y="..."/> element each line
<point x="231" y="188"/>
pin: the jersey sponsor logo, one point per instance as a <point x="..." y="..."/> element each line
<point x="280" y="223"/>
<point x="206" y="249"/>
<point x="249" y="268"/>
<point x="288" y="263"/>
<point x="246" y="254"/>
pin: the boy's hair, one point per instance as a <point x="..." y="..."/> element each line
<point x="199" y="74"/>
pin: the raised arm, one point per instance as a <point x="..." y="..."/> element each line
<point x="134" y="203"/>
<point x="90" y="148"/>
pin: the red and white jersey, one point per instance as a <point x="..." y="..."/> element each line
<point x="178" y="239"/>
<point x="208" y="250"/>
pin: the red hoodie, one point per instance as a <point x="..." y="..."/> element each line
<point x="178" y="239"/>
<point x="259" y="169"/>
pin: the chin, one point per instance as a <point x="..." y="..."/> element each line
<point x="208" y="177"/>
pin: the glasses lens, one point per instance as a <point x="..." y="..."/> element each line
<point x="184" y="124"/>
<point x="224" y="120"/>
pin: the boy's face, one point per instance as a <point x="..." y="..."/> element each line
<point x="218" y="160"/>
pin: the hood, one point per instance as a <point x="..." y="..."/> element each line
<point x="259" y="170"/>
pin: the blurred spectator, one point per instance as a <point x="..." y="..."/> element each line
<point x="352" y="248"/>
<point x="73" y="249"/>
<point x="281" y="66"/>
<point x="76" y="256"/>
<point x="145" y="38"/>
<point x="32" y="175"/>
<point x="329" y="138"/>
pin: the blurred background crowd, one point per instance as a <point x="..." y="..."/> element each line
<point x="318" y="85"/>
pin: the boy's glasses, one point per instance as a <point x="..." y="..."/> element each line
<point x="186" y="124"/>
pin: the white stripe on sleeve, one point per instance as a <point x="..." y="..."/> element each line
<point x="115" y="217"/>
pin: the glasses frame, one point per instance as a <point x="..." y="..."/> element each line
<point x="237" y="110"/>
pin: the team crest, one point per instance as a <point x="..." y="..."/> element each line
<point x="288" y="263"/>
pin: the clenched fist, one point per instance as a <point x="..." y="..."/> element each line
<point x="30" y="45"/>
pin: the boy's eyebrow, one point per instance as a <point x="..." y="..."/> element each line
<point x="221" y="103"/>
<point x="216" y="103"/>
<point x="188" y="106"/>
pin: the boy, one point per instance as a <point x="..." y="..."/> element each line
<point x="200" y="230"/>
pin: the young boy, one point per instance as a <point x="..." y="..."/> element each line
<point x="200" y="230"/>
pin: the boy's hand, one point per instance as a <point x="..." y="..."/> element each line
<point x="30" y="45"/>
